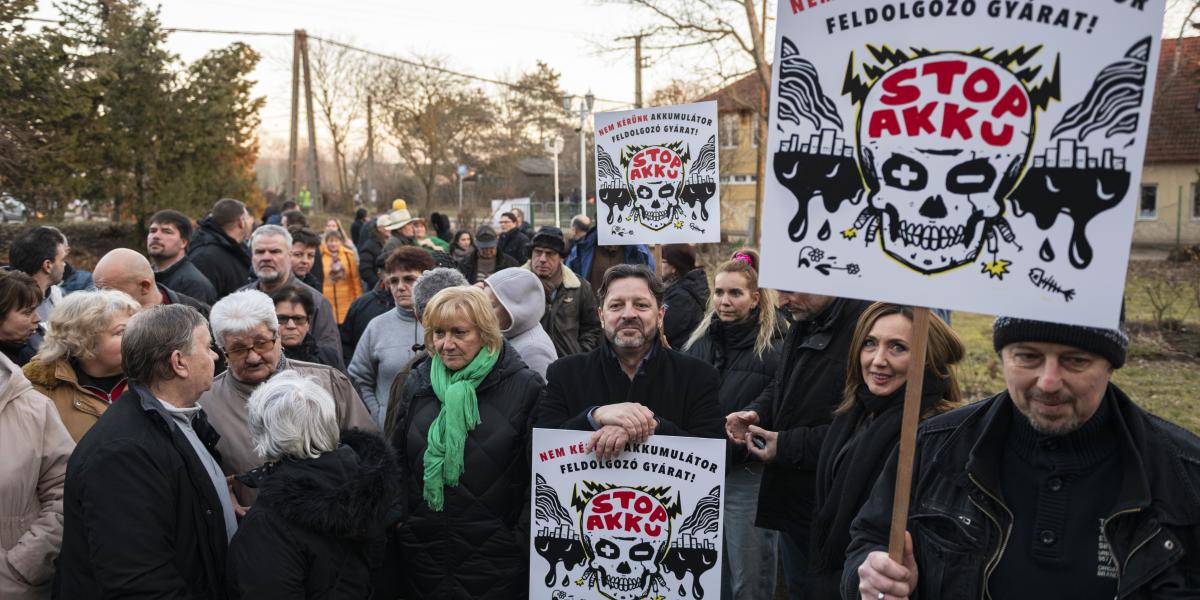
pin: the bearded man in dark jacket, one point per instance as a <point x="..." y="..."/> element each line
<point x="1058" y="487"/>
<point x="790" y="418"/>
<point x="147" y="510"/>
<point x="631" y="387"/>
<point x="218" y="248"/>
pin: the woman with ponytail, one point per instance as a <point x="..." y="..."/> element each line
<point x="461" y="439"/>
<point x="740" y="335"/>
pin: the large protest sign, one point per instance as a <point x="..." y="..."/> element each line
<point x="643" y="525"/>
<point x="974" y="155"/>
<point x="657" y="175"/>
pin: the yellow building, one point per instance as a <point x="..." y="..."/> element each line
<point x="1169" y="203"/>
<point x="738" y="137"/>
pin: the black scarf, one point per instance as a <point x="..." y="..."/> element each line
<point x="866" y="434"/>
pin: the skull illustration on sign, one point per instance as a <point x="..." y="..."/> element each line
<point x="655" y="176"/>
<point x="626" y="533"/>
<point x="942" y="141"/>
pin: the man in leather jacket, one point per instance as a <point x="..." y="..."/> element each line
<point x="1058" y="487"/>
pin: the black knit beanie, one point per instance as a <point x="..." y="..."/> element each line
<point x="680" y="256"/>
<point x="1112" y="344"/>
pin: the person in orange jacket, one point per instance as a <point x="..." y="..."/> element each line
<point x="342" y="283"/>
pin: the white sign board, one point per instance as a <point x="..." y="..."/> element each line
<point x="973" y="155"/>
<point x="646" y="524"/>
<point x="658" y="176"/>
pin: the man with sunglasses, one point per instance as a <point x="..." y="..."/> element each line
<point x="246" y="329"/>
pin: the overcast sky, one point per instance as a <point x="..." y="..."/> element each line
<point x="491" y="39"/>
<point x="497" y="39"/>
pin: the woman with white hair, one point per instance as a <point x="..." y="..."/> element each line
<point x="461" y="443"/>
<point x="79" y="363"/>
<point x="323" y="508"/>
<point x="246" y="329"/>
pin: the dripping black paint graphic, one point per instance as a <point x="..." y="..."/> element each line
<point x="1066" y="179"/>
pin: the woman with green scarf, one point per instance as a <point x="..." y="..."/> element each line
<point x="462" y="440"/>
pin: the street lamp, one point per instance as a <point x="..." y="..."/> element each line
<point x="462" y="172"/>
<point x="585" y="108"/>
<point x="554" y="147"/>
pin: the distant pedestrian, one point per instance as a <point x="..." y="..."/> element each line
<point x="486" y="259"/>
<point x="513" y="242"/>
<point x="342" y="284"/>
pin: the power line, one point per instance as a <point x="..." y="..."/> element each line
<point x="353" y="48"/>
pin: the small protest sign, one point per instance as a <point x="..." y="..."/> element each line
<point x="645" y="524"/>
<point x="973" y="155"/>
<point x="657" y="175"/>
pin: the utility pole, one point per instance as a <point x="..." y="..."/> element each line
<point x="637" y="69"/>
<point x="292" y="187"/>
<point x="638" y="63"/>
<point x="370" y="199"/>
<point x="314" y="172"/>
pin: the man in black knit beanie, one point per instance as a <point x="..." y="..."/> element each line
<point x="1058" y="487"/>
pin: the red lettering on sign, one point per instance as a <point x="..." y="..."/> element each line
<point x="996" y="139"/>
<point x="883" y="122"/>
<point x="1014" y="103"/>
<point x="945" y="71"/>
<point x="954" y="120"/>
<point x="896" y="91"/>
<point x="600" y="504"/>
<point x="991" y="86"/>
<point x="917" y="121"/>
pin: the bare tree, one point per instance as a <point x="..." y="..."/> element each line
<point x="433" y="118"/>
<point x="340" y="91"/>
<point x="730" y="29"/>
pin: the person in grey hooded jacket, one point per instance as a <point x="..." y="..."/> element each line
<point x="519" y="302"/>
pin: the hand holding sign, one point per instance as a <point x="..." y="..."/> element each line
<point x="637" y="420"/>
<point x="608" y="442"/>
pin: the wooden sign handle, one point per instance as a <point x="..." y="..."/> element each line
<point x="908" y="433"/>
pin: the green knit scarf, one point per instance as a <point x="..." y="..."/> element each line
<point x="459" y="415"/>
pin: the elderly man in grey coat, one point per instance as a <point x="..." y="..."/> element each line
<point x="247" y="331"/>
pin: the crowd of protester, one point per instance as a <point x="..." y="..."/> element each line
<point x="262" y="410"/>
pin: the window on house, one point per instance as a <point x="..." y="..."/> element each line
<point x="754" y="129"/>
<point x="730" y="126"/>
<point x="1148" y="209"/>
<point x="1195" y="201"/>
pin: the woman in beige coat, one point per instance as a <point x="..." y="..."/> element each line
<point x="35" y="447"/>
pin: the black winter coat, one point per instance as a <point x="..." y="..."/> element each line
<point x="470" y="265"/>
<point x="686" y="299"/>
<point x="799" y="404"/>
<point x="185" y="278"/>
<point x="960" y="525"/>
<point x="225" y="262"/>
<point x="729" y="347"/>
<point x="140" y="516"/>
<point x="362" y="310"/>
<point x="680" y="389"/>
<point x="308" y="351"/>
<point x="514" y="244"/>
<point x="370" y="261"/>
<point x="477" y="546"/>
<point x="318" y="525"/>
